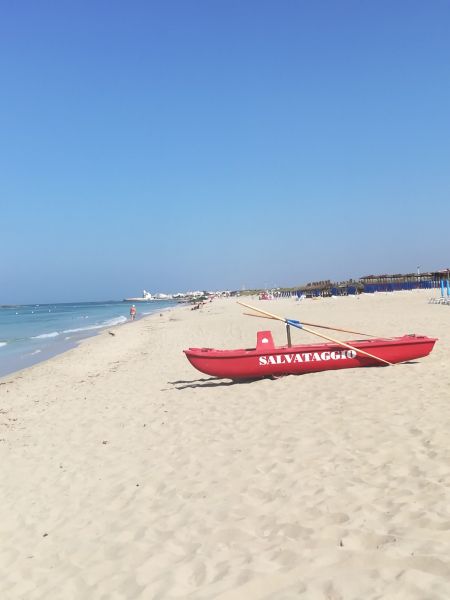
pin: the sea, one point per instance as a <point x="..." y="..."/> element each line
<point x="34" y="332"/>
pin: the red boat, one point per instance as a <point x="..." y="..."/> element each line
<point x="268" y="360"/>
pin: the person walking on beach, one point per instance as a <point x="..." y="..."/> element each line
<point x="133" y="312"/>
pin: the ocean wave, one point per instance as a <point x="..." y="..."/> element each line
<point x="35" y="352"/>
<point x="78" y="329"/>
<point x="115" y="321"/>
<point x="110" y="323"/>
<point x="3" y="344"/>
<point x="45" y="335"/>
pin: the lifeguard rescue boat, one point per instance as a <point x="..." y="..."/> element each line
<point x="268" y="360"/>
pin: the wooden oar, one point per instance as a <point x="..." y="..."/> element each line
<point x="325" y="337"/>
<point x="315" y="325"/>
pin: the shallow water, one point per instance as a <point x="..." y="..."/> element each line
<point x="31" y="333"/>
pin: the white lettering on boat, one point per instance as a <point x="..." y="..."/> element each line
<point x="287" y="359"/>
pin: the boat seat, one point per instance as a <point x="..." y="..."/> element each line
<point x="264" y="340"/>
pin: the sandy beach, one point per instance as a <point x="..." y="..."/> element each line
<point x="126" y="474"/>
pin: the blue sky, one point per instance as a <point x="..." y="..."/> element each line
<point x="215" y="144"/>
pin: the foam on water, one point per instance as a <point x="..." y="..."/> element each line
<point x="3" y="344"/>
<point x="45" y="335"/>
<point x="110" y="323"/>
<point x="116" y="321"/>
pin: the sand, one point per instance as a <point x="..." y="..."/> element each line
<point x="126" y="474"/>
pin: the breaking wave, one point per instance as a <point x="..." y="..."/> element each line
<point x="115" y="321"/>
<point x="110" y="323"/>
<point x="45" y="335"/>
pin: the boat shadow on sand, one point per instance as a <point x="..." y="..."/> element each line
<point x="206" y="382"/>
<point x="213" y="382"/>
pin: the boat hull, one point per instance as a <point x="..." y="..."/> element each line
<point x="267" y="360"/>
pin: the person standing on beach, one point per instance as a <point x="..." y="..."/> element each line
<point x="133" y="312"/>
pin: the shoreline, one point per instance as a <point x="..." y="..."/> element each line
<point x="128" y="473"/>
<point x="23" y="362"/>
